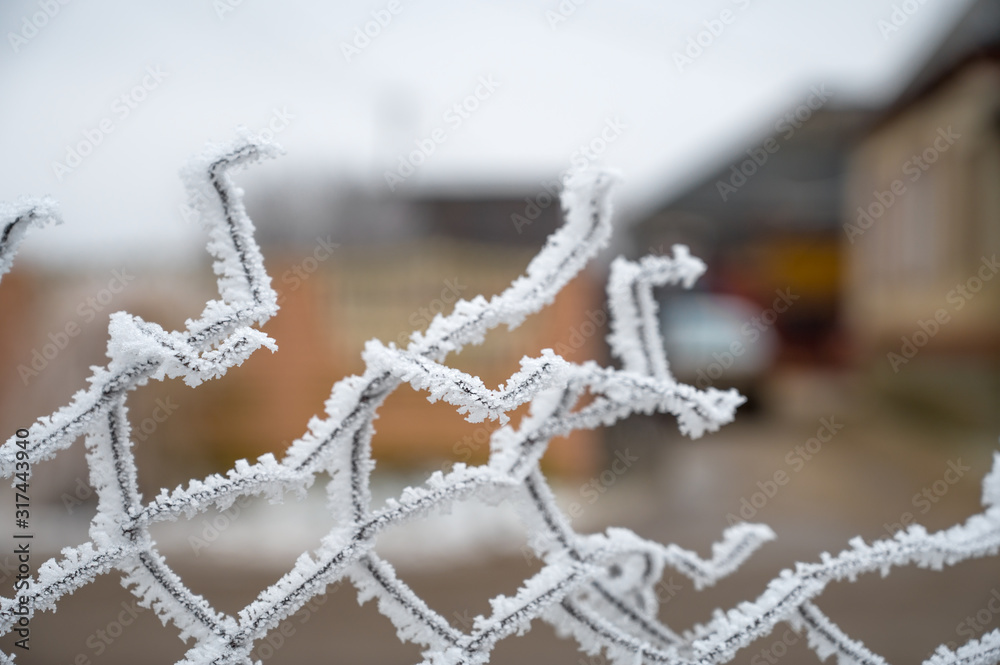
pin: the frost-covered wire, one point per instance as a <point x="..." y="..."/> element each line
<point x="600" y="589"/>
<point x="15" y="220"/>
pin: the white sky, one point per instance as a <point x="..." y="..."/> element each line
<point x="557" y="88"/>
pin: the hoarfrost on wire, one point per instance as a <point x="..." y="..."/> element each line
<point x="581" y="589"/>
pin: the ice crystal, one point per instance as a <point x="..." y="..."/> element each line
<point x="580" y="588"/>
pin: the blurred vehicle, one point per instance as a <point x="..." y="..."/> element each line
<point x="718" y="340"/>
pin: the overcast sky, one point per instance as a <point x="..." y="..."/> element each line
<point x="167" y="77"/>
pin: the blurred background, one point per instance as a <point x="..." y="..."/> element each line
<point x="835" y="164"/>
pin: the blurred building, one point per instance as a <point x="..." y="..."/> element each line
<point x="358" y="265"/>
<point x="350" y="266"/>
<point x="922" y="228"/>
<point x="767" y="221"/>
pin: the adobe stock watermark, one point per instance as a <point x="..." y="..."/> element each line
<point x="161" y="412"/>
<point x="423" y="316"/>
<point x="86" y="311"/>
<point x="796" y="459"/>
<point x="585" y="330"/>
<point x="913" y="168"/>
<point x="581" y="158"/>
<point x="211" y="529"/>
<point x="589" y="493"/>
<point x="464" y="619"/>
<point x="900" y="16"/>
<point x="534" y="205"/>
<point x="8" y="569"/>
<point x="82" y="491"/>
<point x="456" y="115"/>
<point x="562" y="12"/>
<point x="911" y="344"/>
<point x="370" y="30"/>
<point x="225" y="7"/>
<point x="925" y="499"/>
<point x="268" y="645"/>
<point x="32" y="24"/>
<point x="102" y="638"/>
<point x="592" y="490"/>
<point x="295" y="276"/>
<point x="121" y="108"/>
<point x="466" y="447"/>
<point x="974" y="626"/>
<point x="706" y="38"/>
<point x="777" y="650"/>
<point x="278" y="122"/>
<point x="786" y="126"/>
<point x="750" y="332"/>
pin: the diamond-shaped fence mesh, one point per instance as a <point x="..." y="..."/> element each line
<point x="582" y="588"/>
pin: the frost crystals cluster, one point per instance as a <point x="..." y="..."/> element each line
<point x="598" y="589"/>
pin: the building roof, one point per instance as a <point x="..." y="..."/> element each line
<point x="357" y="215"/>
<point x="976" y="36"/>
<point x="797" y="185"/>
